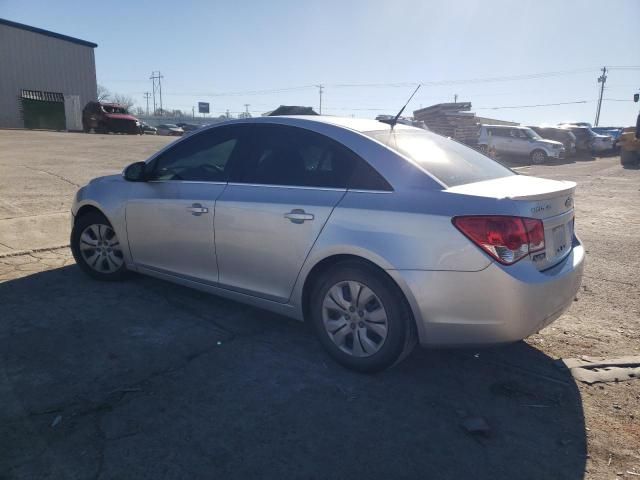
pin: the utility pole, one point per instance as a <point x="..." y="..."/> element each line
<point x="246" y="109"/>
<point x="320" y="88"/>
<point x="156" y="79"/>
<point x="193" y="112"/>
<point x="455" y="98"/>
<point x="147" y="95"/>
<point x="602" y="79"/>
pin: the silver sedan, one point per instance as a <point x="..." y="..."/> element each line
<point x="379" y="236"/>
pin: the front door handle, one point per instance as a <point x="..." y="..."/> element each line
<point x="297" y="215"/>
<point x="197" y="209"/>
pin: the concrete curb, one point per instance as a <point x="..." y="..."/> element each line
<point x="17" y="253"/>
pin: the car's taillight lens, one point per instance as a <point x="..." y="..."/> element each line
<point x="507" y="239"/>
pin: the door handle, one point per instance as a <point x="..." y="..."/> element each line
<point x="197" y="209"/>
<point x="297" y="215"/>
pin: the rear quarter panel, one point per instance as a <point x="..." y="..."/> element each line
<point x="408" y="230"/>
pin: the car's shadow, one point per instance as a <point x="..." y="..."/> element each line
<point x="144" y="379"/>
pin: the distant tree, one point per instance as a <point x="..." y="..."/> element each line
<point x="244" y="115"/>
<point x="140" y="111"/>
<point x="103" y="93"/>
<point x="177" y="113"/>
<point x="161" y="112"/>
<point x="124" y="100"/>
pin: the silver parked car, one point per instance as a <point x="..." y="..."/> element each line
<point x="379" y="236"/>
<point x="519" y="141"/>
<point x="169" y="129"/>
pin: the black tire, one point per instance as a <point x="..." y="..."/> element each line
<point x="81" y="224"/>
<point x="538" y="157"/>
<point x="401" y="335"/>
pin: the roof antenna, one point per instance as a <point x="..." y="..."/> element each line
<point x="395" y="119"/>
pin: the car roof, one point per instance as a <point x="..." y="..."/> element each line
<point x="503" y="126"/>
<point x="357" y="124"/>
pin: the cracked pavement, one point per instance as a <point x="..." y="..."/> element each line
<point x="145" y="379"/>
<point x="40" y="173"/>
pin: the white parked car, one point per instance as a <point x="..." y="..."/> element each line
<point x="169" y="129"/>
<point x="519" y="141"/>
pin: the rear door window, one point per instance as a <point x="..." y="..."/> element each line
<point x="452" y="163"/>
<point x="291" y="156"/>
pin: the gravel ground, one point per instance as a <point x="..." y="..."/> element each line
<point x="144" y="379"/>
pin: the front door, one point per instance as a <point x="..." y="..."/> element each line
<point x="521" y="144"/>
<point x="170" y="216"/>
<point x="277" y="202"/>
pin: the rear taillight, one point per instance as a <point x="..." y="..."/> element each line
<point x="507" y="239"/>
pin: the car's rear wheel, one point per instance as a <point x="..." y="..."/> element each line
<point x="538" y="157"/>
<point x="361" y="317"/>
<point x="96" y="247"/>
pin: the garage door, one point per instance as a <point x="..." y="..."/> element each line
<point x="43" y="110"/>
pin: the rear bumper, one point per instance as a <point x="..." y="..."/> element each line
<point x="495" y="305"/>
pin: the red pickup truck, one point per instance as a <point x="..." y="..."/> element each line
<point x="109" y="117"/>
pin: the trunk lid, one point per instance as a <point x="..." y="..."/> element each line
<point x="548" y="200"/>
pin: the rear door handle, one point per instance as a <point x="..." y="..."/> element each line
<point x="297" y="215"/>
<point x="197" y="209"/>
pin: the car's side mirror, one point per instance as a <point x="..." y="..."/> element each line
<point x="636" y="97"/>
<point x="135" y="172"/>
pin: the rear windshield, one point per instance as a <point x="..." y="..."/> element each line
<point x="449" y="161"/>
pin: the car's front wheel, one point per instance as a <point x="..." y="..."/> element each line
<point x="361" y="317"/>
<point x="538" y="157"/>
<point x="96" y="248"/>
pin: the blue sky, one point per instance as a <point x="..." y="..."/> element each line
<point x="208" y="49"/>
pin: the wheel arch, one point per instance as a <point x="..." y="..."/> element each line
<point x="88" y="208"/>
<point x="330" y="261"/>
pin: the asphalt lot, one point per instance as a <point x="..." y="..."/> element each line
<point x="145" y="379"/>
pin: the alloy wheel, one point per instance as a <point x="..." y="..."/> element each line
<point x="354" y="318"/>
<point x="100" y="248"/>
<point x="538" y="157"/>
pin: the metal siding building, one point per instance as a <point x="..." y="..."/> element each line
<point x="45" y="78"/>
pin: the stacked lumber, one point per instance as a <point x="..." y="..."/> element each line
<point x="451" y="120"/>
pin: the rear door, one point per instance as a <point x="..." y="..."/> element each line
<point x="277" y="202"/>
<point x="170" y="216"/>
<point x="500" y="140"/>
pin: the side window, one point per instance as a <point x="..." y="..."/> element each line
<point x="283" y="155"/>
<point x="365" y="177"/>
<point x="499" y="132"/>
<point x="202" y="157"/>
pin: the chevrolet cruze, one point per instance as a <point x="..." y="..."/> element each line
<point x="381" y="236"/>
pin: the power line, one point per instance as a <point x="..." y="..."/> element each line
<point x="532" y="106"/>
<point x="529" y="76"/>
